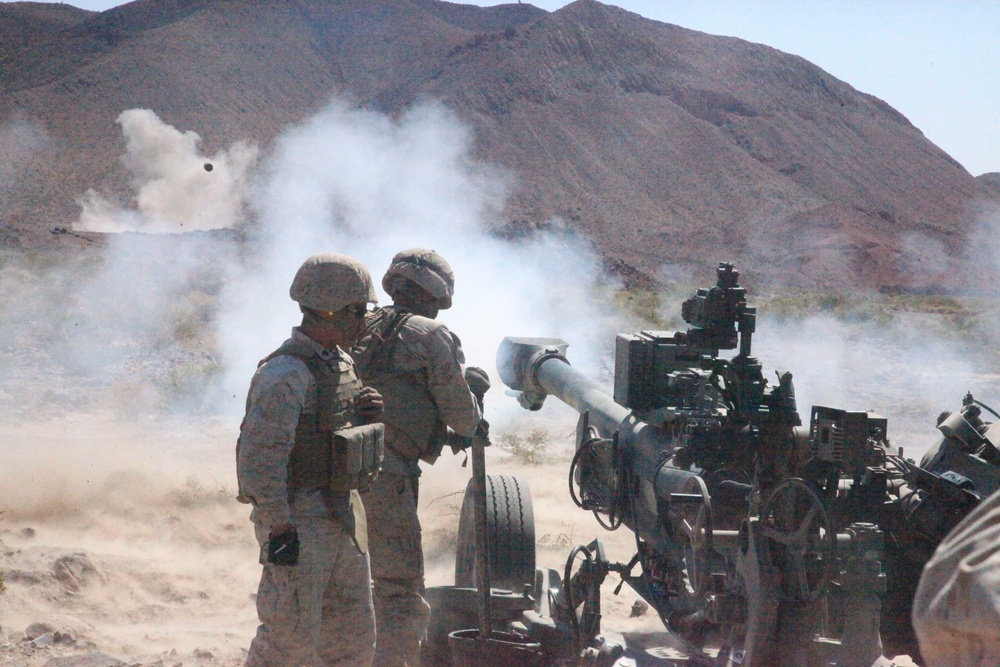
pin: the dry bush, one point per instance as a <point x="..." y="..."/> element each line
<point x="556" y="541"/>
<point x="190" y="377"/>
<point x="656" y="309"/>
<point x="442" y="541"/>
<point x="644" y="304"/>
<point x="531" y="449"/>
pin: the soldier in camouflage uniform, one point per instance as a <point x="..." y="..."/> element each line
<point x="417" y="365"/>
<point x="314" y="601"/>
<point x="956" y="609"/>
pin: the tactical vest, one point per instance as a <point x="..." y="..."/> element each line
<point x="330" y="453"/>
<point x="412" y="421"/>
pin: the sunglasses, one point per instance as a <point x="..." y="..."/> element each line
<point x="358" y="310"/>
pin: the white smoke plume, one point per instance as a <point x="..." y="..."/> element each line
<point x="183" y="318"/>
<point x="908" y="368"/>
<point x="177" y="188"/>
<point x="362" y="184"/>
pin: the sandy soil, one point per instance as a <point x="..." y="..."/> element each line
<point x="125" y="540"/>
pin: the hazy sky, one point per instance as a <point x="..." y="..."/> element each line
<point x="935" y="61"/>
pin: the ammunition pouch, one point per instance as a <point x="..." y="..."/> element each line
<point x="356" y="457"/>
<point x="439" y="437"/>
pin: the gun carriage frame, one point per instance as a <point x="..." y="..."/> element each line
<point x="760" y="541"/>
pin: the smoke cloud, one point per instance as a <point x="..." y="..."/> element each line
<point x="147" y="324"/>
<point x="178" y="189"/>
<point x="356" y="182"/>
<point x="908" y="368"/>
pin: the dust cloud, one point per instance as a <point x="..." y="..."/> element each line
<point x="177" y="188"/>
<point x="359" y="183"/>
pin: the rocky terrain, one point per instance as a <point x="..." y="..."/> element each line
<point x="662" y="145"/>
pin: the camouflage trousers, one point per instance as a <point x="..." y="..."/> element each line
<point x="398" y="570"/>
<point x="318" y="612"/>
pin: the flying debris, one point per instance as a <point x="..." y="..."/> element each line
<point x="208" y="166"/>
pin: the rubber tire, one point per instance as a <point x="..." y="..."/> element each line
<point x="510" y="523"/>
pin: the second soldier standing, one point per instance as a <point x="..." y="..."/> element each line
<point x="417" y="365"/>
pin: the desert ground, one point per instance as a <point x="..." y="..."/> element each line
<point x="125" y="542"/>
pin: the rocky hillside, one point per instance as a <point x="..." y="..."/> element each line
<point x="990" y="181"/>
<point x="666" y="146"/>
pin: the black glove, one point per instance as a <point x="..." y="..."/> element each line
<point x="459" y="443"/>
<point x="283" y="548"/>
<point x="483" y="432"/>
<point x="478" y="380"/>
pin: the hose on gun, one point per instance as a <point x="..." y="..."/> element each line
<point x="593" y="454"/>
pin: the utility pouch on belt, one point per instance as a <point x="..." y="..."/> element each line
<point x="356" y="457"/>
<point x="438" y="438"/>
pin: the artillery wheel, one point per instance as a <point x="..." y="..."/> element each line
<point x="697" y="525"/>
<point x="801" y="538"/>
<point x="510" y="524"/>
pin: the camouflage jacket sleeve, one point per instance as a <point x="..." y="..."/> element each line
<point x="443" y="358"/>
<point x="956" y="609"/>
<point x="278" y="393"/>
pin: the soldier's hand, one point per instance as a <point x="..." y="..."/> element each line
<point x="370" y="404"/>
<point x="478" y="380"/>
<point x="458" y="443"/>
<point x="283" y="546"/>
<point x="482" y="435"/>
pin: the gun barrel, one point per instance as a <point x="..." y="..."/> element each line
<point x="538" y="367"/>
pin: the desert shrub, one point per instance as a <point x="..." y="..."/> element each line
<point x="643" y="303"/>
<point x="556" y="541"/>
<point x="656" y="309"/>
<point x="190" y="376"/>
<point x="530" y="449"/>
<point x="192" y="317"/>
<point x="442" y="540"/>
<point x="850" y="308"/>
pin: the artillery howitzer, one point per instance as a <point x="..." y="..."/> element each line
<point x="760" y="541"/>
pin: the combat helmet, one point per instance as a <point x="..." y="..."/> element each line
<point x="329" y="282"/>
<point x="425" y="268"/>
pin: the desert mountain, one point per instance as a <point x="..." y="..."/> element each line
<point x="666" y="146"/>
<point x="991" y="181"/>
<point x="26" y="23"/>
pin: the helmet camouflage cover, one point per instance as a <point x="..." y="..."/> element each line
<point x="425" y="268"/>
<point x="330" y="282"/>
